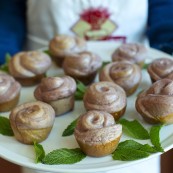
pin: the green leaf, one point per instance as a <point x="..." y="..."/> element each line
<point x="80" y="91"/>
<point x="70" y="128"/>
<point x="134" y="129"/>
<point x="39" y="152"/>
<point x="47" y="52"/>
<point x="155" y="137"/>
<point x="64" y="156"/>
<point x="105" y="63"/>
<point x="129" y="154"/>
<point x="145" y="66"/>
<point x="4" y="67"/>
<point x="131" y="150"/>
<point x="5" y="127"/>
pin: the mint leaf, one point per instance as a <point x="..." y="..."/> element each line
<point x="145" y="66"/>
<point x="129" y="154"/>
<point x="64" y="156"/>
<point x="4" y="67"/>
<point x="47" y="52"/>
<point x="134" y="129"/>
<point x="104" y="63"/>
<point x="70" y="128"/>
<point x="80" y="91"/>
<point x="132" y="150"/>
<point x="5" y="127"/>
<point x="39" y="151"/>
<point x="155" y="137"/>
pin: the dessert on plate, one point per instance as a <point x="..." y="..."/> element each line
<point x="97" y="133"/>
<point x="82" y="66"/>
<point x="9" y="92"/>
<point x="133" y="52"/>
<point x="29" y="67"/>
<point x="155" y="104"/>
<point x="58" y="92"/>
<point x="161" y="68"/>
<point x="62" y="45"/>
<point x="106" y="96"/>
<point x="123" y="73"/>
<point x="32" y="122"/>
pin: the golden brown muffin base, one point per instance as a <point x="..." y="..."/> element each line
<point x="28" y="136"/>
<point x="132" y="90"/>
<point x="99" y="150"/>
<point x="30" y="81"/>
<point x="7" y="106"/>
<point x="63" y="105"/>
<point x="118" y="114"/>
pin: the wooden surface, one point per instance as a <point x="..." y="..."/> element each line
<point x="7" y="167"/>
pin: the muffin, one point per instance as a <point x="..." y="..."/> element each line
<point x="58" y="92"/>
<point x="106" y="96"/>
<point x="62" y="45"/>
<point x="32" y="122"/>
<point x="133" y="52"/>
<point x="155" y="104"/>
<point x="29" y="67"/>
<point x="82" y="66"/>
<point x="161" y="68"/>
<point x="123" y="73"/>
<point x="9" y="92"/>
<point x="97" y="133"/>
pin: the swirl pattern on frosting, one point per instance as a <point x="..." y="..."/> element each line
<point x="29" y="64"/>
<point x="97" y="127"/>
<point x="34" y="115"/>
<point x="161" y="68"/>
<point x="105" y="96"/>
<point x="83" y="63"/>
<point x="123" y="73"/>
<point x="53" y="88"/>
<point x="155" y="104"/>
<point x="9" y="88"/>
<point x="61" y="45"/>
<point x="133" y="52"/>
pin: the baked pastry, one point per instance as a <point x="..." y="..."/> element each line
<point x="9" y="92"/>
<point x="32" y="122"/>
<point x="29" y="67"/>
<point x="123" y="73"/>
<point x="82" y="66"/>
<point x="155" y="104"/>
<point x="58" y="92"/>
<point x="62" y="45"/>
<point x="161" y="68"/>
<point x="106" y="96"/>
<point x="133" y="52"/>
<point x="97" y="133"/>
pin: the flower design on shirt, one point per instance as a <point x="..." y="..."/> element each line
<point x="94" y="24"/>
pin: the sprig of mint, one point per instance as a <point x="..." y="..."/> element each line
<point x="39" y="152"/>
<point x="47" y="52"/>
<point x="80" y="91"/>
<point x="70" y="128"/>
<point x="64" y="156"/>
<point x="5" y="127"/>
<point x="134" y="129"/>
<point x="145" y="66"/>
<point x="104" y="63"/>
<point x="4" y="67"/>
<point x="131" y="150"/>
<point x="155" y="137"/>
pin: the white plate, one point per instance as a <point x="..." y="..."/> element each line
<point x="18" y="153"/>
